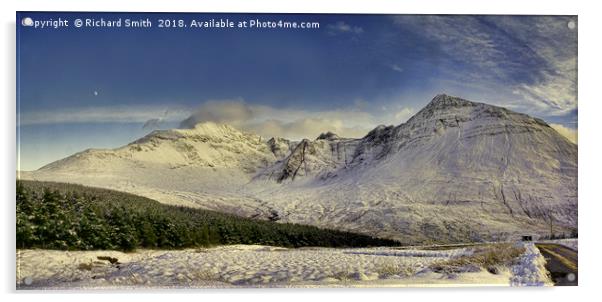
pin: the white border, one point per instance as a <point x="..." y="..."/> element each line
<point x="590" y="208"/>
<point x="313" y="6"/>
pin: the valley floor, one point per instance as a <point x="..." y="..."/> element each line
<point x="266" y="266"/>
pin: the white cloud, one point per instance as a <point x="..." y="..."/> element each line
<point x="532" y="58"/>
<point x="232" y="112"/>
<point x="555" y="93"/>
<point x="305" y="128"/>
<point x="396" y="67"/>
<point x="570" y="133"/>
<point x="403" y="114"/>
<point x="342" y="27"/>
<point x="268" y="121"/>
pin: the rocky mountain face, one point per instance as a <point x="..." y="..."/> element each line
<point x="456" y="171"/>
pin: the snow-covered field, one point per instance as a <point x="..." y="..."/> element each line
<point x="263" y="266"/>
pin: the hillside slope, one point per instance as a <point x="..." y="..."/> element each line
<point x="72" y="217"/>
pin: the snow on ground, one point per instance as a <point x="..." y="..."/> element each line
<point x="530" y="269"/>
<point x="571" y="243"/>
<point x="258" y="266"/>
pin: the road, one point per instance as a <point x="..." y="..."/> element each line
<point x="561" y="263"/>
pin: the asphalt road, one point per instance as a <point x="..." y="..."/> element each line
<point x="561" y="263"/>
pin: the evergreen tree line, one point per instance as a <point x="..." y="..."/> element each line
<point x="74" y="217"/>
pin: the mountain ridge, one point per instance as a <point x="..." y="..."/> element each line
<point x="457" y="170"/>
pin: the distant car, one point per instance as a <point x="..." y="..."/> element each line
<point x="527" y="238"/>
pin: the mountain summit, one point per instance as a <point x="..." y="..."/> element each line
<point x="456" y="171"/>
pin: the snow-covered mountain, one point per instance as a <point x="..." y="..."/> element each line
<point x="456" y="171"/>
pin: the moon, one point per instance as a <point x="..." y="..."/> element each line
<point x="95" y="93"/>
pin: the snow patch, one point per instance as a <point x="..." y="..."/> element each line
<point x="530" y="269"/>
<point x="246" y="266"/>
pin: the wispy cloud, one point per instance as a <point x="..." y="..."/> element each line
<point x="107" y="114"/>
<point x="527" y="61"/>
<point x="341" y="27"/>
<point x="233" y="112"/>
<point x="396" y="67"/>
<point x="156" y="123"/>
<point x="269" y="121"/>
<point x="354" y="121"/>
<point x="569" y="133"/>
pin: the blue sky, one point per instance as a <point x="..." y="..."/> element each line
<point x="350" y="75"/>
